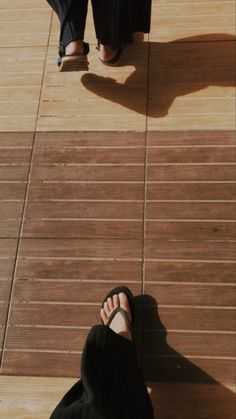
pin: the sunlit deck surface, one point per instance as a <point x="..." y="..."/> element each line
<point x="121" y="175"/>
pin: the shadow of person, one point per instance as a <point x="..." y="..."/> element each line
<point x="180" y="389"/>
<point x="176" y="68"/>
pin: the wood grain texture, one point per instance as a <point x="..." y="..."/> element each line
<point x="36" y="397"/>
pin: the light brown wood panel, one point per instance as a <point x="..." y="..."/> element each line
<point x="182" y="271"/>
<point x="67" y="291"/>
<point x="91" y="138"/>
<point x="90" y="155"/>
<point x="7" y="248"/>
<point x="189" y="344"/>
<point x="199" y="251"/>
<point x="115" y="270"/>
<point x="4" y="289"/>
<point x="3" y="313"/>
<point x="36" y="397"/>
<point x="16" y="139"/>
<point x="9" y="228"/>
<point x="46" y="339"/>
<point x="192" y="294"/>
<point x="10" y="209"/>
<point x="75" y="248"/>
<point x="191" y="138"/>
<point x="86" y="209"/>
<point x="12" y="190"/>
<point x="191" y="210"/>
<point x="86" y="172"/>
<point x="17" y="173"/>
<point x="191" y="191"/>
<point x="41" y="364"/>
<point x="80" y="191"/>
<point x="220" y="154"/>
<point x="107" y="229"/>
<point x="191" y="230"/>
<point x="183" y="318"/>
<point x="189" y="172"/>
<point x="14" y="155"/>
<point x="6" y="266"/>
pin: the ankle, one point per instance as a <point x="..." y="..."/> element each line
<point x="74" y="47"/>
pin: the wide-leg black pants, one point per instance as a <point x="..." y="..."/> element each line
<point x="111" y="385"/>
<point x="115" y="20"/>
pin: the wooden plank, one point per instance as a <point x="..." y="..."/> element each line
<point x="81" y="191"/>
<point x="219" y="154"/>
<point x="79" y="249"/>
<point x="199" y="251"/>
<point x="191" y="172"/>
<point x="86" y="209"/>
<point x="9" y="228"/>
<point x="160" y="343"/>
<point x="191" y="191"/>
<point x="14" y="173"/>
<point x="7" y="248"/>
<point x="191" y="230"/>
<point x="108" y="270"/>
<point x="87" y="173"/>
<point x="185" y="137"/>
<point x="191" y="210"/>
<point x="107" y="229"/>
<point x="16" y="139"/>
<point x="188" y="271"/>
<point x="187" y="318"/>
<point x="6" y="266"/>
<point x="189" y="369"/>
<point x="43" y="364"/>
<point x="89" y="155"/>
<point x="195" y="400"/>
<point x="36" y="397"/>
<point x="91" y="138"/>
<point x="12" y="190"/>
<point x="66" y="291"/>
<point x="192" y="294"/>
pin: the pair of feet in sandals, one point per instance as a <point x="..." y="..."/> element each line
<point x="74" y="56"/>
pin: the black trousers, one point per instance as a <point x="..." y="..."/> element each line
<point x="115" y="20"/>
<point x="111" y="385"/>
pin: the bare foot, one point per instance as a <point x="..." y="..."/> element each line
<point x="118" y="323"/>
<point x="107" y="53"/>
<point x="75" y="47"/>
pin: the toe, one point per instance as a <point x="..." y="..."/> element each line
<point x="110" y="303"/>
<point x="106" y="308"/>
<point x="103" y="315"/>
<point x="124" y="302"/>
<point x="115" y="301"/>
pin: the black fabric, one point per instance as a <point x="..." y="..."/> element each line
<point x="115" y="20"/>
<point x="111" y="385"/>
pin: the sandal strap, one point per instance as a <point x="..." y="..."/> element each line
<point x="123" y="313"/>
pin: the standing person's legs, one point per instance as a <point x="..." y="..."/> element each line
<point x="73" y="50"/>
<point x="115" y="22"/>
<point x="72" y="15"/>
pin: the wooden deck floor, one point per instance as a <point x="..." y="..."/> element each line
<point x="119" y="175"/>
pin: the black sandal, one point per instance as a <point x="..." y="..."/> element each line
<point x="130" y="297"/>
<point x="73" y="62"/>
<point x="113" y="61"/>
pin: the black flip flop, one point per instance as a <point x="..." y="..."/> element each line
<point x="113" y="60"/>
<point x="130" y="297"/>
<point x="73" y="62"/>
